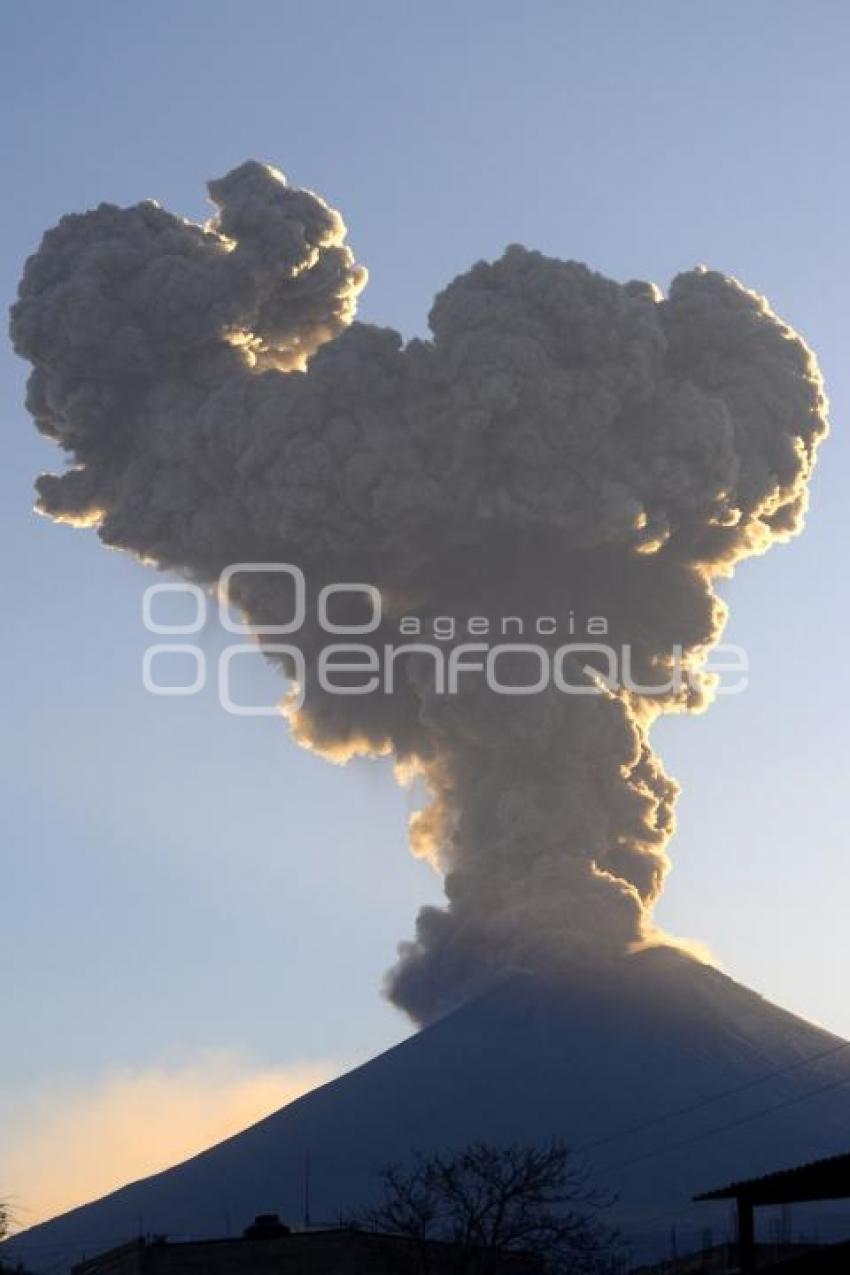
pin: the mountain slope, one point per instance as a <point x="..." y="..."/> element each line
<point x="584" y="1058"/>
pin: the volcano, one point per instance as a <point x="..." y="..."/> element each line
<point x="663" y="1074"/>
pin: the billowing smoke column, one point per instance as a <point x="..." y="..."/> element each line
<point x="562" y="447"/>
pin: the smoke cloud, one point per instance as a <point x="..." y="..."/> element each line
<point x="562" y="446"/>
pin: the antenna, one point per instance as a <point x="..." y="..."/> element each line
<point x="307" y="1191"/>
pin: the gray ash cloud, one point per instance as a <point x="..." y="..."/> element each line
<point x="560" y="442"/>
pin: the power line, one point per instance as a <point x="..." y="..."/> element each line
<point x="676" y="1112"/>
<point x="672" y="1114"/>
<point x="731" y="1124"/>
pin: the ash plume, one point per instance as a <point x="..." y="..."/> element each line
<point x="562" y="445"/>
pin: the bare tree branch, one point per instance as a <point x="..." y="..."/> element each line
<point x="494" y="1200"/>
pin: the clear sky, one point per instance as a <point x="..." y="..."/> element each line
<point x="182" y="887"/>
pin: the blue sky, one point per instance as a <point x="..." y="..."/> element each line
<point x="176" y="880"/>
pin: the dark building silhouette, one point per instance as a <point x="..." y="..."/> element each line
<point x="268" y="1247"/>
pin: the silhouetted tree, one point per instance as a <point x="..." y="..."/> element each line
<point x="5" y="1227"/>
<point x="491" y="1200"/>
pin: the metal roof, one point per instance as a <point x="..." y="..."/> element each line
<point x="827" y="1179"/>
